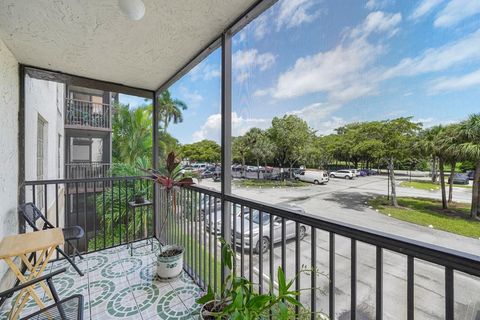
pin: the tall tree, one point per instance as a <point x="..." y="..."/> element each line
<point x="448" y="144"/>
<point x="240" y="150"/>
<point x="291" y="136"/>
<point x="469" y="148"/>
<point x="170" y="109"/>
<point x="259" y="145"/>
<point x="427" y="147"/>
<point x="203" y="151"/>
<point x="398" y="136"/>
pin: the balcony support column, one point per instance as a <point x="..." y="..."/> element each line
<point x="226" y="112"/>
<point x="156" y="206"/>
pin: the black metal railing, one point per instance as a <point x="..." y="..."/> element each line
<point x="80" y="113"/>
<point x="87" y="170"/>
<point x="100" y="206"/>
<point x="355" y="262"/>
<point x="362" y="273"/>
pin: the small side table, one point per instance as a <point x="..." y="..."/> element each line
<point x="133" y="206"/>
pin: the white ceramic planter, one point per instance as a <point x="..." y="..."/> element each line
<point x="170" y="267"/>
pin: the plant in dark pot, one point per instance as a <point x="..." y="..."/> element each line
<point x="170" y="258"/>
<point x="139" y="196"/>
<point x="238" y="298"/>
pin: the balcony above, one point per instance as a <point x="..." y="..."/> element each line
<point x="87" y="115"/>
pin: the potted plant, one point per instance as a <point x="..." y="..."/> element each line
<point x="238" y="298"/>
<point x="170" y="258"/>
<point x="139" y="196"/>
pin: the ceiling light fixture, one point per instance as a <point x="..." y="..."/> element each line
<point x="133" y="9"/>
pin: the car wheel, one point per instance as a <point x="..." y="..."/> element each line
<point x="316" y="182"/>
<point x="302" y="233"/>
<point x="332" y="176"/>
<point x="265" y="244"/>
<point x="347" y="177"/>
<point x="297" y="179"/>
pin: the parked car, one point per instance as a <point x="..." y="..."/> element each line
<point x="215" y="226"/>
<point x="471" y="174"/>
<point x="313" y="176"/>
<point x="347" y="174"/>
<point x="253" y="238"/>
<point x="268" y="169"/>
<point x="207" y="174"/>
<point x="460" y="178"/>
<point x="186" y="169"/>
<point x="252" y="169"/>
<point x="355" y="172"/>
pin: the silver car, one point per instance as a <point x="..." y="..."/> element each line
<point x="264" y="243"/>
<point x="216" y="225"/>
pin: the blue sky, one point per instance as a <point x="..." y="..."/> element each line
<point x="335" y="62"/>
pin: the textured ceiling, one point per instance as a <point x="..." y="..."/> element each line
<point x="92" y="38"/>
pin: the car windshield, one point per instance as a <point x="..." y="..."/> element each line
<point x="256" y="217"/>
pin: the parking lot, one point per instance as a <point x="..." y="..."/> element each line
<point x="345" y="200"/>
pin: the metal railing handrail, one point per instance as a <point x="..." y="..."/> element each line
<point x="89" y="102"/>
<point x="80" y="163"/>
<point x="461" y="261"/>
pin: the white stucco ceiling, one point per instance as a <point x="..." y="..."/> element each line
<point x="92" y="38"/>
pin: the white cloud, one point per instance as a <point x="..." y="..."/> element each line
<point x="378" y="4"/>
<point x="245" y="60"/>
<point x="262" y="92"/>
<point x="456" y="11"/>
<point x="191" y="98"/>
<point x="345" y="72"/>
<point x="425" y="7"/>
<point x="454" y="53"/>
<point x="455" y="83"/>
<point x="425" y="121"/>
<point x="260" y="27"/>
<point x="204" y="71"/>
<point x="317" y="115"/>
<point x="240" y="125"/>
<point x="378" y="22"/>
<point x="293" y="13"/>
<point x="330" y="71"/>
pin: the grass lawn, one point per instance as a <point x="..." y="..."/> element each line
<point x="427" y="185"/>
<point x="269" y="183"/>
<point x="427" y="212"/>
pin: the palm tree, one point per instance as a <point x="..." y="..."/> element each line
<point x="132" y="134"/>
<point x="170" y="109"/>
<point x="427" y="147"/>
<point x="430" y="144"/>
<point x="469" y="148"/>
<point x="449" y="143"/>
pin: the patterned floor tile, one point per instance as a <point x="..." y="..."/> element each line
<point x="119" y="286"/>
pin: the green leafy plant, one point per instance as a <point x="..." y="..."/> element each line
<point x="171" y="180"/>
<point x="238" y="298"/>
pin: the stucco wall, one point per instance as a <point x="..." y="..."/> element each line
<point x="44" y="99"/>
<point x="8" y="150"/>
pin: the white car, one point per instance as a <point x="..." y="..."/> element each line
<point x="347" y="174"/>
<point x="313" y="176"/>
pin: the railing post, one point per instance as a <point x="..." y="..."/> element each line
<point x="226" y="137"/>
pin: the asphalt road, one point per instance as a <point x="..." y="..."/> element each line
<point x="344" y="200"/>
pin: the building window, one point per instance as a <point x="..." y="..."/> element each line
<point x="41" y="146"/>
